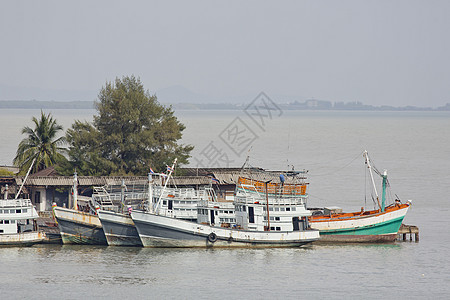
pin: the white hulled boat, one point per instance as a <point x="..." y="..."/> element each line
<point x="18" y="223"/>
<point x="373" y="226"/>
<point x="253" y="227"/>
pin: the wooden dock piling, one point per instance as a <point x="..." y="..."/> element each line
<point x="408" y="229"/>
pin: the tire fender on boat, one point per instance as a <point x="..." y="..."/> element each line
<point x="212" y="237"/>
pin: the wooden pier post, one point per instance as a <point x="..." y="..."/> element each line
<point x="409" y="229"/>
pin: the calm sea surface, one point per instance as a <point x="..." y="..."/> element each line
<point x="413" y="146"/>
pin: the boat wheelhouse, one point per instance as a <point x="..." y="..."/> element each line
<point x="18" y="223"/>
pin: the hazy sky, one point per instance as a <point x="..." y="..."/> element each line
<point x="378" y="52"/>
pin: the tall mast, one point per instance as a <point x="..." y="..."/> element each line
<point x="383" y="195"/>
<point x="366" y="156"/>
<point x="150" y="192"/>
<point x="267" y="205"/>
<point x="26" y="176"/>
<point x="75" y="191"/>
<point x="165" y="184"/>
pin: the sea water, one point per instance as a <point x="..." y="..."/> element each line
<point x="414" y="148"/>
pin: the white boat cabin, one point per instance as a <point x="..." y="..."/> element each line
<point x="17" y="216"/>
<point x="181" y="203"/>
<point x="216" y="213"/>
<point x="284" y="212"/>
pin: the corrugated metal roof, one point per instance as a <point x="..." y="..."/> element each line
<point x="274" y="176"/>
<point x="108" y="180"/>
<point x="224" y="176"/>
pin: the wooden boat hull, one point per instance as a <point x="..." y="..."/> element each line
<point x="78" y="227"/>
<point x="160" y="231"/>
<point x="21" y="239"/>
<point x="372" y="227"/>
<point x="119" y="229"/>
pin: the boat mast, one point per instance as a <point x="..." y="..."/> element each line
<point x="383" y="195"/>
<point x="26" y="176"/>
<point x="122" y="195"/>
<point x="267" y="205"/>
<point x="150" y="192"/>
<point x="165" y="185"/>
<point x="75" y="191"/>
<point x="366" y="156"/>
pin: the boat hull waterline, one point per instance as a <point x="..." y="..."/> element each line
<point x="21" y="239"/>
<point x="161" y="231"/>
<point x="375" y="227"/>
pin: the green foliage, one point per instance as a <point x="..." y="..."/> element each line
<point x="40" y="145"/>
<point x="131" y="133"/>
<point x="4" y="172"/>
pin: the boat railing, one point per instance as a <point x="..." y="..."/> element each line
<point x="15" y="202"/>
<point x="273" y="188"/>
<point x="248" y="198"/>
<point x="184" y="194"/>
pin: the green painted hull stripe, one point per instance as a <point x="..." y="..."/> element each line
<point x="388" y="227"/>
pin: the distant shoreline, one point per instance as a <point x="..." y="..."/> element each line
<point x="307" y="105"/>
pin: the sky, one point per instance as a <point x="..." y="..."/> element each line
<point x="377" y="52"/>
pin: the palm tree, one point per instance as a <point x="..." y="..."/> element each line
<point x="41" y="145"/>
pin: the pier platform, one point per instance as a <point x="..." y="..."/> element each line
<point x="47" y="224"/>
<point x="406" y="230"/>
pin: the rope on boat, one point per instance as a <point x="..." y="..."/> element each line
<point x="339" y="169"/>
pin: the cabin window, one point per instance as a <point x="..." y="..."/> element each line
<point x="1" y="230"/>
<point x="264" y="208"/>
<point x="272" y="228"/>
<point x="278" y="228"/>
<point x="1" y="221"/>
<point x="13" y="221"/>
<point x="271" y="219"/>
<point x="18" y="211"/>
<point x="288" y="209"/>
<point x="282" y="208"/>
<point x="277" y="209"/>
<point x="164" y="202"/>
<point x="217" y="213"/>
<point x="243" y="208"/>
<point x="6" y="221"/>
<point x="294" y="208"/>
<point x="277" y="218"/>
<point x="270" y="208"/>
<point x="24" y="210"/>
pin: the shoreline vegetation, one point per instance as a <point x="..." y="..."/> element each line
<point x="296" y="105"/>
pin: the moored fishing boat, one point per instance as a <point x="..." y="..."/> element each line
<point x="378" y="225"/>
<point x="118" y="226"/>
<point x="18" y="226"/>
<point x="18" y="223"/>
<point x="79" y="225"/>
<point x="119" y="229"/>
<point x="253" y="226"/>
